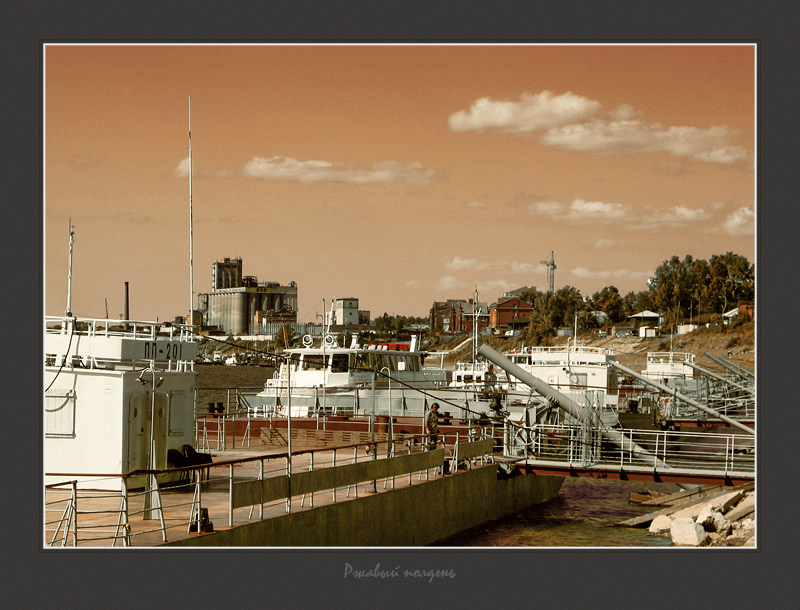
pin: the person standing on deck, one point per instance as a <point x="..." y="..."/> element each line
<point x="432" y="426"/>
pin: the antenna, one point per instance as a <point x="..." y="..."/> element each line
<point x="191" y="228"/>
<point x="69" y="269"/>
<point x="551" y="268"/>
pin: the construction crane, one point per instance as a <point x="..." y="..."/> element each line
<point x="551" y="268"/>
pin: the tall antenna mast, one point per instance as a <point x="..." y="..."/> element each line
<point x="191" y="227"/>
<point x="69" y="269"/>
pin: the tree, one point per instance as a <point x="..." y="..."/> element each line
<point x="610" y="301"/>
<point x="634" y="302"/>
<point x="731" y="279"/>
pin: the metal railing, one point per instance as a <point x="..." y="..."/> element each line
<point x="581" y="446"/>
<point x="152" y="507"/>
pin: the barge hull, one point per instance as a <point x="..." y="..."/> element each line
<point x="414" y="516"/>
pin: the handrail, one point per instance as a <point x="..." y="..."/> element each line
<point x="117" y="509"/>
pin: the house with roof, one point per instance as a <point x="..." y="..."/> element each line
<point x="456" y="315"/>
<point x="508" y="312"/>
<point x="646" y="323"/>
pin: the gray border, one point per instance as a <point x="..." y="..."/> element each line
<point x="314" y="579"/>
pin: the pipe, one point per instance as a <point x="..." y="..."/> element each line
<point x="567" y="404"/>
<point x="741" y="372"/>
<point x="684" y="398"/>
<point x="738" y="386"/>
<point x="126" y="314"/>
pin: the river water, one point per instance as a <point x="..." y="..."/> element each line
<point x="584" y="514"/>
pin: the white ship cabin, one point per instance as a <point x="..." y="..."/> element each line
<point x="118" y="396"/>
<point x="348" y="367"/>
<point x="583" y="372"/>
<point x="475" y="375"/>
<point x="669" y="365"/>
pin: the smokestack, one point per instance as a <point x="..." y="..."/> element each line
<point x="126" y="314"/>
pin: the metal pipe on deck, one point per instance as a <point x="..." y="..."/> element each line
<point x="699" y="368"/>
<point x="741" y="372"/>
<point x="566" y="404"/>
<point x="683" y="397"/>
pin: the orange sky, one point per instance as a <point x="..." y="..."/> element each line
<point x="399" y="175"/>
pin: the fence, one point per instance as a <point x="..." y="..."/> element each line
<point x="180" y="502"/>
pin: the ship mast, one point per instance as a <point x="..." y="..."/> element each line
<point x="191" y="227"/>
<point x="69" y="269"/>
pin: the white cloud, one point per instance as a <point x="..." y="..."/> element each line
<point x="574" y="122"/>
<point x="580" y="211"/>
<point x="522" y="267"/>
<point x="286" y="168"/>
<point x="584" y="273"/>
<point x="604" y="244"/>
<point x="496" y="286"/>
<point x="740" y="222"/>
<point x="460" y="264"/>
<point x="547" y="208"/>
<point x="476" y="204"/>
<point x="533" y="112"/>
<point x="676" y="216"/>
<point x="634" y="136"/>
<point x="449" y="282"/>
<point x="183" y="168"/>
<point x="471" y="264"/>
<point x="182" y="171"/>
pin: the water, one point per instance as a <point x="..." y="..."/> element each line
<point x="583" y="515"/>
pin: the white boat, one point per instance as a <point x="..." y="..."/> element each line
<point x="366" y="380"/>
<point x="584" y="373"/>
<point x="670" y="368"/>
<point x="119" y="394"/>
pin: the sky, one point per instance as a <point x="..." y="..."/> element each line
<point x="396" y="174"/>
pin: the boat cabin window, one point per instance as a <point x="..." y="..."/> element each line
<point x="312" y="362"/>
<point x="339" y="363"/>
<point x="361" y="363"/>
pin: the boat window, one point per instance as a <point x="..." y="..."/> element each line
<point x="339" y="363"/>
<point x="361" y="362"/>
<point x="378" y="361"/>
<point x="312" y="362"/>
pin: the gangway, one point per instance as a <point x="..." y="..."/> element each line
<point x="672" y="457"/>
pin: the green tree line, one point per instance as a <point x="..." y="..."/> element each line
<point x="679" y="288"/>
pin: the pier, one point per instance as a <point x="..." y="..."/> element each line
<point x="368" y="494"/>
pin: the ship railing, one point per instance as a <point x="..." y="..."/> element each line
<point x="107" y="327"/>
<point x="230" y="424"/>
<point x="154" y="507"/>
<point x="584" y="446"/>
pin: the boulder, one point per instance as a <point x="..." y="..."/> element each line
<point x="685" y="532"/>
<point x="660" y="524"/>
<point x="721" y="524"/>
<point x="712" y="520"/>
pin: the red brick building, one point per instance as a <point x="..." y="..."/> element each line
<point x="456" y="316"/>
<point x="506" y="311"/>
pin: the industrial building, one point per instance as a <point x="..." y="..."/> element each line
<point x="238" y="304"/>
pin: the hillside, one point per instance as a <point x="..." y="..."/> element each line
<point x="736" y="344"/>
